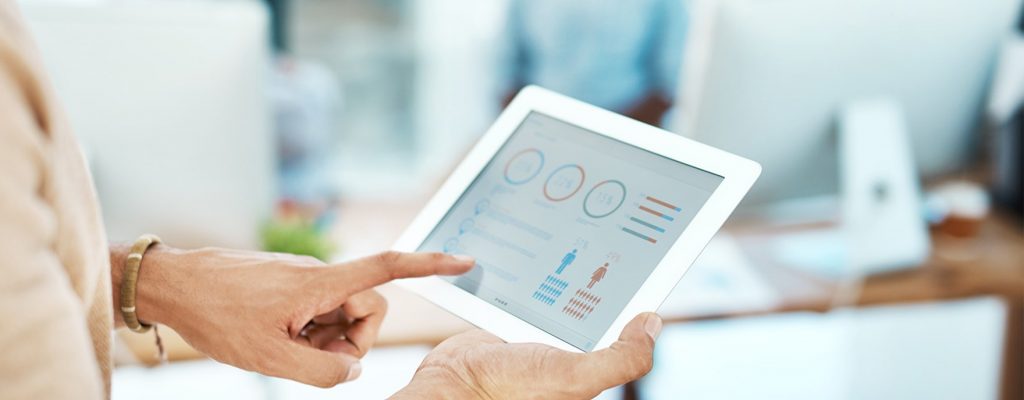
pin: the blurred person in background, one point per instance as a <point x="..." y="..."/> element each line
<point x="280" y="315"/>
<point x="623" y="56"/>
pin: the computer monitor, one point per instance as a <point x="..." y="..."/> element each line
<point x="768" y="80"/>
<point x="858" y="98"/>
<point x="170" y="102"/>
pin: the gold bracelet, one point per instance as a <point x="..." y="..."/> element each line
<point x="129" y="279"/>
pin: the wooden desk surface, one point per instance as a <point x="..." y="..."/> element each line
<point x="991" y="263"/>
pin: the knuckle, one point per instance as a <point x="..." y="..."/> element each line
<point x="640" y="366"/>
<point x="389" y="257"/>
<point x="380" y="301"/>
<point x="647" y="366"/>
<point x="436" y="258"/>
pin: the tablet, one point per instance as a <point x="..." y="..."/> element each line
<point x="578" y="218"/>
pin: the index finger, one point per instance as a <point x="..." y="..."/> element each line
<point x="372" y="271"/>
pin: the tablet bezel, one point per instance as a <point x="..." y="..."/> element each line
<point x="738" y="176"/>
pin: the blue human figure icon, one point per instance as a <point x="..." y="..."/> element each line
<point x="568" y="259"/>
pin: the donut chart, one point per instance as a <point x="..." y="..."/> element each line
<point x="524" y="166"/>
<point x="564" y="182"/>
<point x="604" y="198"/>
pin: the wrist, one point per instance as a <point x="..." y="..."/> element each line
<point x="155" y="286"/>
<point x="433" y="383"/>
<point x="155" y="282"/>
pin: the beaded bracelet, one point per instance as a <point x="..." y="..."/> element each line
<point x="128" y="282"/>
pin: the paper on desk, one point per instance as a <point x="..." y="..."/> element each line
<point x="722" y="280"/>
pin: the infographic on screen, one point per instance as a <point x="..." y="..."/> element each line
<point x="567" y="224"/>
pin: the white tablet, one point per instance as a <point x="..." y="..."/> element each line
<point x="578" y="218"/>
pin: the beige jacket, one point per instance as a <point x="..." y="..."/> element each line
<point x="55" y="312"/>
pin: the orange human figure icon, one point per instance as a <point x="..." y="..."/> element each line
<point x="598" y="275"/>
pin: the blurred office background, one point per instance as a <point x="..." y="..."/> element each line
<point x="880" y="256"/>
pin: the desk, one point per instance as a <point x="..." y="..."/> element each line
<point x="990" y="264"/>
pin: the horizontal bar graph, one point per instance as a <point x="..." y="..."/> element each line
<point x="639" y="235"/>
<point x="647" y="224"/>
<point x="657" y="213"/>
<point x="640" y="224"/>
<point x="663" y="203"/>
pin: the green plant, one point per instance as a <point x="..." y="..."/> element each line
<point x="296" y="237"/>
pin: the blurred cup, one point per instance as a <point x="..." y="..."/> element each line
<point x="959" y="208"/>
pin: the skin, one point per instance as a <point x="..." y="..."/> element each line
<point x="297" y="318"/>
<point x="280" y="315"/>
<point x="477" y="364"/>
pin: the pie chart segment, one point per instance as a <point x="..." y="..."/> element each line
<point x="524" y="166"/>
<point x="604" y="199"/>
<point x="564" y="182"/>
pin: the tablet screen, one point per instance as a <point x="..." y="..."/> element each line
<point x="567" y="224"/>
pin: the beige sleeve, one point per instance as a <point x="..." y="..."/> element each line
<point x="45" y="348"/>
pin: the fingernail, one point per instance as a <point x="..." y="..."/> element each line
<point x="353" y="371"/>
<point x="653" y="326"/>
<point x="463" y="258"/>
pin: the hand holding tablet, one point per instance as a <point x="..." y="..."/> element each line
<point x="477" y="364"/>
<point x="579" y="219"/>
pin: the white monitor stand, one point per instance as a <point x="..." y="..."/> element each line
<point x="880" y="198"/>
<point x="880" y="227"/>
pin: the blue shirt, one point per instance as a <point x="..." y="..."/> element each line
<point x="606" y="52"/>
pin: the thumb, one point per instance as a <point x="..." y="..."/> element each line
<point x="628" y="359"/>
<point x="312" y="366"/>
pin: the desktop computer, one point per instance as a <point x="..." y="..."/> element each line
<point x="858" y="99"/>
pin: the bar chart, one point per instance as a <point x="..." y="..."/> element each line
<point x="650" y="219"/>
